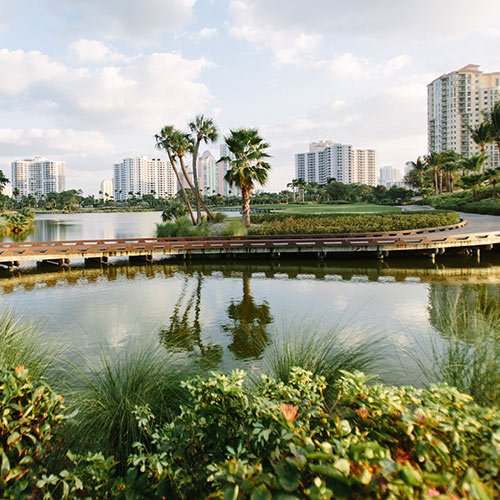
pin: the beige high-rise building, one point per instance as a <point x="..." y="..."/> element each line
<point x="327" y="159"/>
<point x="456" y="101"/>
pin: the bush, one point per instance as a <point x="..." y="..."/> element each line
<point x="352" y="223"/>
<point x="281" y="441"/>
<point x="181" y="227"/>
<point x="219" y="217"/>
<point x="235" y="228"/>
<point x="30" y="413"/>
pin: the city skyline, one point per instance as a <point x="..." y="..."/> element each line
<point x="92" y="82"/>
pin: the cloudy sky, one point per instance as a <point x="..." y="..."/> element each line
<point x="91" y="81"/>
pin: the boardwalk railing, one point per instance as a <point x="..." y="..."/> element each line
<point x="382" y="243"/>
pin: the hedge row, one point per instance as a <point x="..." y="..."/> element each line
<point x="486" y="206"/>
<point x="268" y="440"/>
<point x="295" y="224"/>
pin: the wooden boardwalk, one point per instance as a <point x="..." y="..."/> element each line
<point x="430" y="241"/>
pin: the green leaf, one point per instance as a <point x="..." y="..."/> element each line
<point x="231" y="492"/>
<point x="261" y="493"/>
<point x="410" y="476"/>
<point x="288" y="477"/>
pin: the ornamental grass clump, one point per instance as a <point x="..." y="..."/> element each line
<point x="22" y="343"/>
<point x="324" y="353"/>
<point x="105" y="394"/>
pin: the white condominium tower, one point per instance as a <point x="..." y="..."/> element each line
<point x="211" y="174"/>
<point x="327" y="159"/>
<point x="140" y="176"/>
<point x="456" y="101"/>
<point x="38" y="176"/>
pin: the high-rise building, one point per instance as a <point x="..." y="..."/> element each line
<point x="329" y="160"/>
<point x="106" y="191"/>
<point x="457" y="101"/>
<point x="140" y="176"/>
<point x="208" y="174"/>
<point x="38" y="176"/>
<point x="390" y="176"/>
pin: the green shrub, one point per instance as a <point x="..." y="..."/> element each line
<point x="181" y="227"/>
<point x="353" y="223"/>
<point x="219" y="217"/>
<point x="280" y="440"/>
<point x="235" y="228"/>
<point x="29" y="415"/>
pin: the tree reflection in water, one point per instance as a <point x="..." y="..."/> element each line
<point x="249" y="324"/>
<point x="184" y="330"/>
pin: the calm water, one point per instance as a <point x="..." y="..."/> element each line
<point x="228" y="314"/>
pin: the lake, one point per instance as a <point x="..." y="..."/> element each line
<point x="228" y="313"/>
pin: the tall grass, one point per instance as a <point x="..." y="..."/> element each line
<point x="323" y="352"/>
<point x="22" y="343"/>
<point x="105" y="394"/>
<point x="467" y="354"/>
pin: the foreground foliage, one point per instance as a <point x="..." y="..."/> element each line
<point x="272" y="440"/>
<point x="290" y="224"/>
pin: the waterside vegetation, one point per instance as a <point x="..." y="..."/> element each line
<point x="142" y="423"/>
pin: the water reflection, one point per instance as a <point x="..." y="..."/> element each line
<point x="225" y="314"/>
<point x="184" y="330"/>
<point x="249" y="324"/>
<point x="466" y="312"/>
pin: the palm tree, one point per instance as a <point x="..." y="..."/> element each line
<point x="448" y="163"/>
<point x="432" y="162"/>
<point x="494" y="125"/>
<point x="293" y="186"/>
<point x="415" y="177"/>
<point x="164" y="141"/>
<point x="203" y="129"/>
<point x="247" y="164"/>
<point x="472" y="181"/>
<point x="481" y="134"/>
<point x="475" y="163"/>
<point x="493" y="174"/>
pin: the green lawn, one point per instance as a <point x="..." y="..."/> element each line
<point x="354" y="208"/>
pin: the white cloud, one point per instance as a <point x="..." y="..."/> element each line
<point x="25" y="68"/>
<point x="288" y="46"/>
<point x="426" y="20"/>
<point x="204" y="34"/>
<point x="137" y="22"/>
<point x="139" y="93"/>
<point x="356" y="68"/>
<point x="52" y="141"/>
<point x="95" y="51"/>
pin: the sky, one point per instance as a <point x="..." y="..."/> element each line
<point x="91" y="82"/>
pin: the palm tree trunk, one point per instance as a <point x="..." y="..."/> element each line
<point x="440" y="181"/>
<point x="184" y="171"/>
<point x="184" y="194"/>
<point x="245" y="205"/>
<point x="195" y="175"/>
<point x="494" y="191"/>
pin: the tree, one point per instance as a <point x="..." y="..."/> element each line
<point x="472" y="181"/>
<point x="247" y="163"/>
<point x="473" y="164"/>
<point x="293" y="185"/>
<point x="493" y="175"/>
<point x="3" y="180"/>
<point x="449" y="163"/>
<point x="481" y="134"/>
<point x="415" y="177"/>
<point x="432" y="162"/>
<point x="493" y="118"/>
<point x="164" y="141"/>
<point x="203" y="129"/>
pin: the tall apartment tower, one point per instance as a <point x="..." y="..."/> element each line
<point x="38" y="176"/>
<point x="327" y="159"/>
<point x="207" y="173"/>
<point x="140" y="176"/>
<point x="456" y="101"/>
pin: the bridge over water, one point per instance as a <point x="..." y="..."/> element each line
<point x="473" y="234"/>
